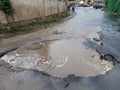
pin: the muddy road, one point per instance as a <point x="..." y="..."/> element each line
<point x="80" y="53"/>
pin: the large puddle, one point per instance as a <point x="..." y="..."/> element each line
<point x="59" y="58"/>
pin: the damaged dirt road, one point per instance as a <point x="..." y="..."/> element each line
<point x="80" y="53"/>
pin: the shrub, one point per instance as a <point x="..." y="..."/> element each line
<point x="5" y="6"/>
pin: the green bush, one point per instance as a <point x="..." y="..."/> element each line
<point x="5" y="6"/>
<point x="117" y="7"/>
<point x="113" y="6"/>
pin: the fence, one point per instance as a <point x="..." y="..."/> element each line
<point x="29" y="9"/>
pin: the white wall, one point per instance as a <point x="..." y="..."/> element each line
<point x="29" y="9"/>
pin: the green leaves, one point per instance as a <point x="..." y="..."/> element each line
<point x="117" y="8"/>
<point x="5" y="6"/>
<point x="113" y="5"/>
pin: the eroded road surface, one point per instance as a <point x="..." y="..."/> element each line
<point x="80" y="53"/>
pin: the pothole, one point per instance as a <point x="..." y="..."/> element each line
<point x="59" y="58"/>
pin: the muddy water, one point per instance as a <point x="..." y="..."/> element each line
<point x="61" y="51"/>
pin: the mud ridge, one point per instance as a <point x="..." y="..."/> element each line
<point x="7" y="51"/>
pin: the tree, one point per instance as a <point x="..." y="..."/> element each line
<point x="5" y="6"/>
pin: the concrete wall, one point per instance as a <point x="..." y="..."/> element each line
<point x="29" y="9"/>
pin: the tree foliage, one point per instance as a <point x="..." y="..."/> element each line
<point x="5" y="6"/>
<point x="117" y="7"/>
<point x="113" y="5"/>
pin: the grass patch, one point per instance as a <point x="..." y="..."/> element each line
<point x="31" y="25"/>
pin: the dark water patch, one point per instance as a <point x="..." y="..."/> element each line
<point x="103" y="49"/>
<point x="107" y="45"/>
<point x="90" y="43"/>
